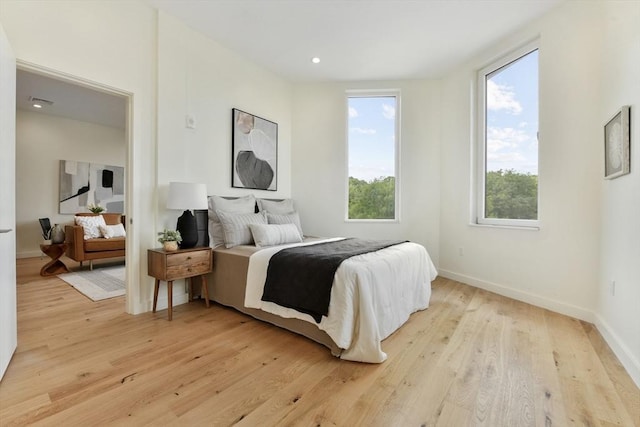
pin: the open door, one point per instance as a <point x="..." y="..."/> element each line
<point x="8" y="312"/>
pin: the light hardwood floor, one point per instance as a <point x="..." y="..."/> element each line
<point x="472" y="358"/>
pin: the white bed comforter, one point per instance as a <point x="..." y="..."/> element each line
<point x="372" y="295"/>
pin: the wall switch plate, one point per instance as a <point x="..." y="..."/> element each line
<point x="190" y="121"/>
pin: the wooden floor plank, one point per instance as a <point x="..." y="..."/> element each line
<point x="472" y="358"/>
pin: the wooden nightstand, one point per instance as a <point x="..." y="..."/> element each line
<point x="180" y="264"/>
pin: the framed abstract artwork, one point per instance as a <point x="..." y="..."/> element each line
<point x="616" y="144"/>
<point x="255" y="152"/>
<point x="83" y="183"/>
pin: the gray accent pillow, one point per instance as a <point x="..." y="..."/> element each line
<point x="274" y="234"/>
<point x="236" y="227"/>
<point x="240" y="205"/>
<point x="276" y="206"/>
<point x="288" y="218"/>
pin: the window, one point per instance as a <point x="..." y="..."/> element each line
<point x="508" y="140"/>
<point x="372" y="143"/>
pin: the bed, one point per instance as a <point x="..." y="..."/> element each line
<point x="363" y="308"/>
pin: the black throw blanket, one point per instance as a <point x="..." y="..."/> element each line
<point x="301" y="277"/>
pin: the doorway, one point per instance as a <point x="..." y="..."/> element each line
<point x="65" y="118"/>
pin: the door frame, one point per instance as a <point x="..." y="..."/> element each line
<point x="130" y="277"/>
<point x="8" y="282"/>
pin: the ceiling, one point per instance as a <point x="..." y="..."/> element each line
<point x="354" y="39"/>
<point x="70" y="100"/>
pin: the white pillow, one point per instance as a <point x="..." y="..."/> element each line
<point x="241" y="205"/>
<point x="275" y="234"/>
<point x="276" y="207"/>
<point x="236" y="227"/>
<point x="109" y="231"/>
<point x="290" y="218"/>
<point x="91" y="225"/>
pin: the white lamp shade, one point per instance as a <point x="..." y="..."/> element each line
<point x="187" y="195"/>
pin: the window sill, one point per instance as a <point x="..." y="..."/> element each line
<point x="376" y="221"/>
<point x="507" y="227"/>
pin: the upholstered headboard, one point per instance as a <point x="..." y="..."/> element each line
<point x="202" y="217"/>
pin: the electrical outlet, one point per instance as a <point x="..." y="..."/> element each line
<point x="460" y="251"/>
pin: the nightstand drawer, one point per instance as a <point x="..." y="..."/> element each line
<point x="188" y="269"/>
<point x="188" y="258"/>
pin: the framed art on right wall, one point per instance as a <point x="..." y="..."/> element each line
<point x="616" y="144"/>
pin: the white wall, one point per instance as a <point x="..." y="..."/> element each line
<point x="618" y="317"/>
<point x="112" y="43"/>
<point x="319" y="162"/>
<point x="557" y="266"/>
<point x="590" y="234"/>
<point x="199" y="77"/>
<point x="41" y="142"/>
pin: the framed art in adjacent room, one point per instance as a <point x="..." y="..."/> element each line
<point x="616" y="144"/>
<point x="255" y="152"/>
<point x="84" y="183"/>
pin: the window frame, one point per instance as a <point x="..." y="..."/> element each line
<point x="375" y="93"/>
<point x="481" y="133"/>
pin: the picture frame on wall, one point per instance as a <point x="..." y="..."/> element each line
<point x="82" y="184"/>
<point x="617" y="133"/>
<point x="254" y="163"/>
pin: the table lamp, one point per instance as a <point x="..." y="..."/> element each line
<point x="186" y="196"/>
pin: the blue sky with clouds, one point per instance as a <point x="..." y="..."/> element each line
<point x="372" y="137"/>
<point x="512" y="116"/>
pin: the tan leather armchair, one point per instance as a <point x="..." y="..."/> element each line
<point x="82" y="250"/>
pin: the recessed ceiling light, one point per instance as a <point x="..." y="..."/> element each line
<point x="37" y="106"/>
<point x="315" y="60"/>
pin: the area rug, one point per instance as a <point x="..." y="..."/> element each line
<point x="98" y="284"/>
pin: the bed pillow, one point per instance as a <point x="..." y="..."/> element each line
<point x="109" y="231"/>
<point x="236" y="227"/>
<point x="91" y="225"/>
<point x="241" y="205"/>
<point x="274" y="234"/>
<point x="276" y="207"/>
<point x="288" y="218"/>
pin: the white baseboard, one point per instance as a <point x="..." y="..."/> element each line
<point x="537" y="300"/>
<point x="620" y="349"/>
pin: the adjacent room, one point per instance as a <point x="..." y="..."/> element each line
<point x="480" y="158"/>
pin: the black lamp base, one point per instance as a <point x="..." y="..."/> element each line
<point x="188" y="230"/>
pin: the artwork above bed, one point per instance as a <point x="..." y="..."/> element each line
<point x="254" y="151"/>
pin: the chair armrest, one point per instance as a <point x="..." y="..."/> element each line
<point x="74" y="238"/>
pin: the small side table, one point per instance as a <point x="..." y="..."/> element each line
<point x="54" y="266"/>
<point x="180" y="264"/>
